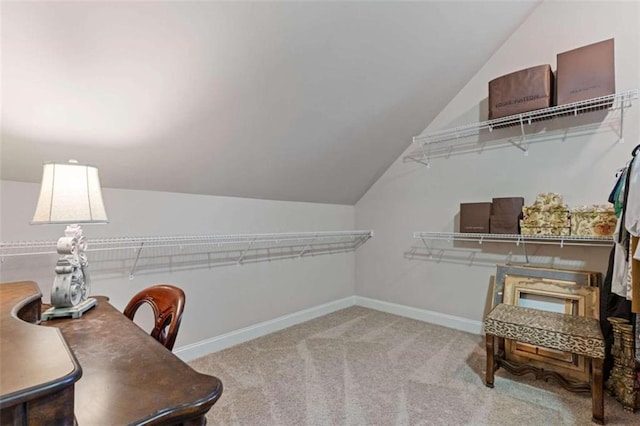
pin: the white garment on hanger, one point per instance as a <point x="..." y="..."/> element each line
<point x="619" y="283"/>
<point x="620" y="268"/>
<point x="632" y="206"/>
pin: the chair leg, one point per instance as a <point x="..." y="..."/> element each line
<point x="597" y="391"/>
<point x="490" y="360"/>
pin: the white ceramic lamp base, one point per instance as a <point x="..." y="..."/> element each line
<point x="73" y="312"/>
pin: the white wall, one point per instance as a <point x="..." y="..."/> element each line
<point x="219" y="299"/>
<point x="411" y="197"/>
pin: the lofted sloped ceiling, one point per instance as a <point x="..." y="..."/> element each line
<point x="298" y="101"/>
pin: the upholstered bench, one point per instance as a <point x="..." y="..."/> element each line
<point x="575" y="334"/>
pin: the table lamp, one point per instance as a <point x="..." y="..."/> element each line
<point x="70" y="193"/>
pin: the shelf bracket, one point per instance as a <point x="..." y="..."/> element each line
<point x="135" y="262"/>
<point x="244" y="252"/>
<point x="304" y="249"/>
<point x="524" y="247"/>
<point x="523" y="141"/>
<point x="449" y="152"/>
<point x="429" y="252"/>
<point x="424" y="155"/>
<point x="621" y="139"/>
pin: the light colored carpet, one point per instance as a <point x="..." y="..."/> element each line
<point x="358" y="366"/>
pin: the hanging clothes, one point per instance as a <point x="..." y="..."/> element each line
<point x="634" y="274"/>
<point x="626" y="198"/>
<point x="611" y="305"/>
<point x="632" y="203"/>
<point x="615" y="197"/>
<point x="619" y="281"/>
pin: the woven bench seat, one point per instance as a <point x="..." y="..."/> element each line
<point x="568" y="333"/>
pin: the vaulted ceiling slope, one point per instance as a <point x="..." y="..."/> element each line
<point x="298" y="101"/>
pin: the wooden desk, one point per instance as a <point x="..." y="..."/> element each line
<point x="128" y="377"/>
<point x="37" y="369"/>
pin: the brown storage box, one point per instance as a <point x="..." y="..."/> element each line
<point x="474" y="217"/>
<point x="585" y="73"/>
<point x="507" y="206"/>
<point x="521" y="91"/>
<point x="504" y="224"/>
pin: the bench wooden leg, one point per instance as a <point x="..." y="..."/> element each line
<point x="597" y="391"/>
<point x="490" y="360"/>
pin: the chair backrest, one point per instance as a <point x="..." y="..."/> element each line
<point x="167" y="302"/>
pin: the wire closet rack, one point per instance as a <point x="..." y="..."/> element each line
<point x="517" y="239"/>
<point x="447" y="141"/>
<point x="521" y="241"/>
<point x="190" y="250"/>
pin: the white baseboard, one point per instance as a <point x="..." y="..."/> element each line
<point x="205" y="347"/>
<point x="445" y="320"/>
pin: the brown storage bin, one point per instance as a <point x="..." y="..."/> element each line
<point x="504" y="223"/>
<point x="507" y="206"/>
<point x="474" y="217"/>
<point x="586" y="72"/>
<point x="521" y="91"/>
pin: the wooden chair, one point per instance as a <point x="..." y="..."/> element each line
<point x="167" y="302"/>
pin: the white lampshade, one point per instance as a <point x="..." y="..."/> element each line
<point x="70" y="193"/>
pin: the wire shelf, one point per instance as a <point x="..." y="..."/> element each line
<point x="206" y="242"/>
<point x="568" y="240"/>
<point x="613" y="102"/>
<point x="190" y="251"/>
